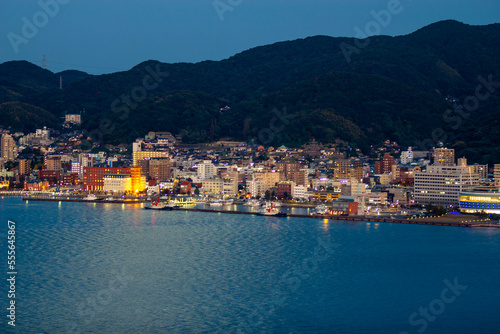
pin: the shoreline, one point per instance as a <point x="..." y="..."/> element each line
<point x="417" y="221"/>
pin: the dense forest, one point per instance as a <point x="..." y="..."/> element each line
<point x="438" y="84"/>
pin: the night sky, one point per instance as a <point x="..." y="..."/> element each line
<point x="103" y="36"/>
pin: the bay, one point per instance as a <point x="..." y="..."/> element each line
<point x="113" y="268"/>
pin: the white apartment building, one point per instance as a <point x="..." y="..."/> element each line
<point x="206" y="170"/>
<point x="256" y="188"/>
<point x="300" y="192"/>
<point x="407" y="156"/>
<point x="441" y="185"/>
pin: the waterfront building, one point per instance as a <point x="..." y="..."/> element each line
<point x="117" y="183"/>
<point x="442" y="184"/>
<point x="285" y="189"/>
<point x="476" y="201"/>
<point x="93" y="177"/>
<point x="230" y="186"/>
<point x="344" y="206"/>
<point x="256" y="188"/>
<point x="300" y="192"/>
<point x="35" y="185"/>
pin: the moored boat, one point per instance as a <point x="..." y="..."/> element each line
<point x="91" y="197"/>
<point x="270" y="210"/>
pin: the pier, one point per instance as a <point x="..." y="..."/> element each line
<point x="484" y="223"/>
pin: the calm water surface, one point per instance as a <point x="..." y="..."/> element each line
<point x="111" y="268"/>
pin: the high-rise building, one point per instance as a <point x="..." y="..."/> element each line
<point x="345" y="169"/>
<point x="442" y="184"/>
<point x="384" y="165"/>
<point x="481" y="170"/>
<point x="8" y="147"/>
<point x="206" y="170"/>
<point x="496" y="174"/>
<point x="462" y="162"/>
<point x="140" y="155"/>
<point x="407" y="156"/>
<point x="159" y="169"/>
<point x="52" y="162"/>
<point x="292" y="171"/>
<point x="24" y="167"/>
<point x="444" y="157"/>
<point x="256" y="188"/>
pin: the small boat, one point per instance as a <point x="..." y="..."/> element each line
<point x="91" y="197"/>
<point x="109" y="199"/>
<point x="253" y="203"/>
<point x="160" y="206"/>
<point x="270" y="210"/>
<point x="157" y="205"/>
<point x="216" y="203"/>
<point x="229" y="202"/>
<point x="201" y="202"/>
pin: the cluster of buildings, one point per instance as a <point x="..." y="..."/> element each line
<point x="158" y="163"/>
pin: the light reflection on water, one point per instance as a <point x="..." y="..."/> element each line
<point x="204" y="272"/>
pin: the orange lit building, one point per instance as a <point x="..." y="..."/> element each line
<point x="93" y="177"/>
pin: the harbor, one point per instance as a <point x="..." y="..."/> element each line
<point x="436" y="221"/>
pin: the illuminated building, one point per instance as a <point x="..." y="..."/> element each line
<point x="496" y="175"/>
<point x="479" y="201"/>
<point x="444" y="157"/>
<point x="117" y="183"/>
<point x="24" y="167"/>
<point x="141" y="155"/>
<point x="442" y="184"/>
<point x="159" y="169"/>
<point x="325" y="195"/>
<point x="8" y="148"/>
<point x="138" y="180"/>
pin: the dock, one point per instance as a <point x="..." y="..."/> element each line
<point x="329" y="217"/>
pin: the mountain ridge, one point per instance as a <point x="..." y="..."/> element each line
<point x="443" y="59"/>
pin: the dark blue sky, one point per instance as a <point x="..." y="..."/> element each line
<point x="102" y="36"/>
